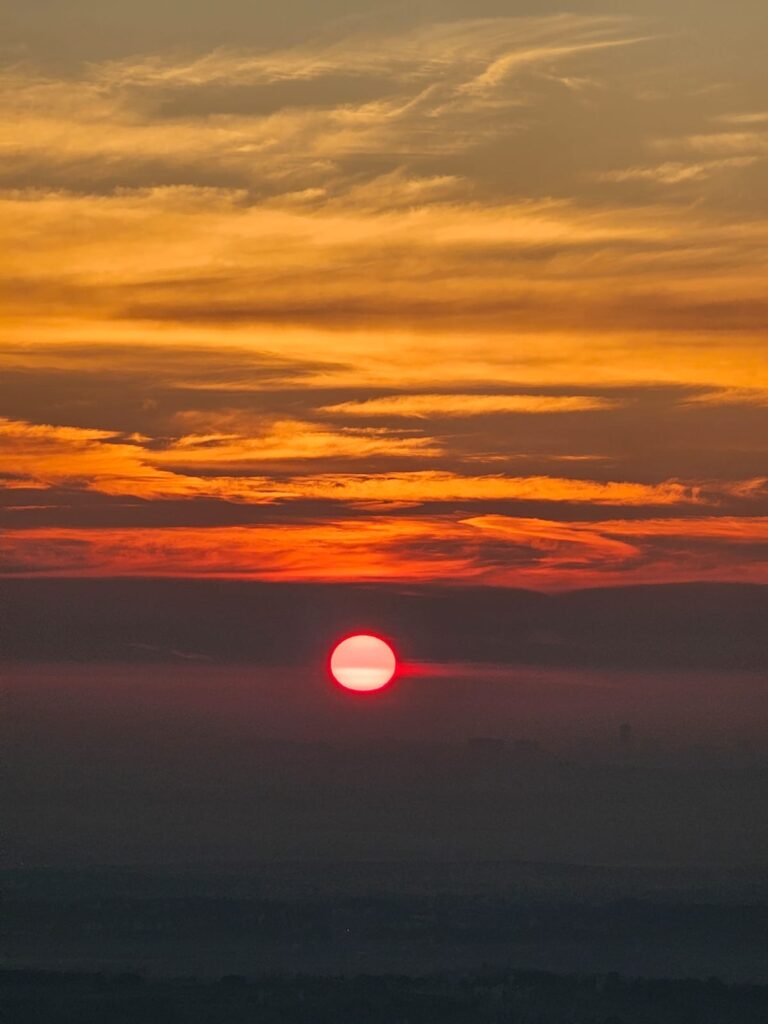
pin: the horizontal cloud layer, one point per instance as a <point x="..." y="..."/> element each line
<point x="480" y="299"/>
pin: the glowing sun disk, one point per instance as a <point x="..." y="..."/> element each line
<point x="363" y="663"/>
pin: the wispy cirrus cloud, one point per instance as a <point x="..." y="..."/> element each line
<point x="433" y="81"/>
<point x="676" y="172"/>
<point x="467" y="48"/>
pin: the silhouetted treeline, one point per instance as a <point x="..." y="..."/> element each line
<point x="497" y="997"/>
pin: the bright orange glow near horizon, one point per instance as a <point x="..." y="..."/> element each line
<point x="363" y="663"/>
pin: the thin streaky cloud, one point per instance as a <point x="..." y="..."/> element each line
<point x="677" y="172"/>
<point x="417" y="52"/>
<point x="425" y="405"/>
<point x="731" y="396"/>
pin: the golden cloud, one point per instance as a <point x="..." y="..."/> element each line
<point x="386" y="226"/>
<point x="491" y="549"/>
<point x="422" y="406"/>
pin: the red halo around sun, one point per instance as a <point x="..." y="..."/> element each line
<point x="363" y="663"/>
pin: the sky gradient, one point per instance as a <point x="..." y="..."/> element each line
<point x="468" y="293"/>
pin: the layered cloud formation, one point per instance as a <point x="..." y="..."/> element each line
<point x="475" y="300"/>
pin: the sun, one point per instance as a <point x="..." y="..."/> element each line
<point x="363" y="663"/>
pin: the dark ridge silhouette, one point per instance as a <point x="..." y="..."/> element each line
<point x="496" y="996"/>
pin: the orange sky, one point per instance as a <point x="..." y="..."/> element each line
<point x="364" y="294"/>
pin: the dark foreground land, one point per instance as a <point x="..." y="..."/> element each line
<point x="41" y="997"/>
<point x="383" y="943"/>
<point x="409" y="918"/>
